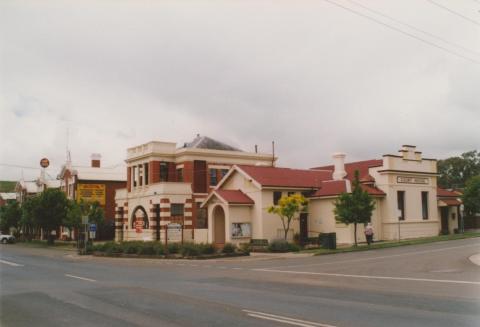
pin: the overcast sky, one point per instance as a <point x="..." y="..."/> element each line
<point x="313" y="76"/>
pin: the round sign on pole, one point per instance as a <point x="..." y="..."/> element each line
<point x="44" y="163"/>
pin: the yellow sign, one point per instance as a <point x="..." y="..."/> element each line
<point x="91" y="193"/>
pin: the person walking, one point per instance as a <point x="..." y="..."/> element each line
<point x="369" y="233"/>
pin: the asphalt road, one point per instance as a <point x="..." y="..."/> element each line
<point x="425" y="285"/>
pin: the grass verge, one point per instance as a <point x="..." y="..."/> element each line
<point x="392" y="244"/>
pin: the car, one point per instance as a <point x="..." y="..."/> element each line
<point x="6" y="238"/>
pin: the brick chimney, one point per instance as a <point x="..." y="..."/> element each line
<point x="96" y="160"/>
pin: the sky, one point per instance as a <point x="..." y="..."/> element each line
<point x="358" y="76"/>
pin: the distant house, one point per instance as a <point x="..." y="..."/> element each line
<point x="26" y="189"/>
<point x="7" y="198"/>
<point x="7" y="192"/>
<point x="94" y="183"/>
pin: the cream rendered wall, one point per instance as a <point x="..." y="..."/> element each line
<point x="321" y="219"/>
<point x="238" y="214"/>
<point x="271" y="222"/>
<point x="413" y="225"/>
<point x="238" y="182"/>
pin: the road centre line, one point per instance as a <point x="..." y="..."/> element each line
<point x="82" y="278"/>
<point x="446" y="281"/>
<point x="376" y="258"/>
<point x="283" y="319"/>
<point x="13" y="264"/>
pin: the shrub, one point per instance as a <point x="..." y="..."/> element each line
<point x="159" y="248"/>
<point x="113" y="248"/>
<point x="173" y="248"/>
<point x="131" y="247"/>
<point x="207" y="248"/>
<point x="190" y="250"/>
<point x="283" y="246"/>
<point x="229" y="248"/>
<point x="147" y="248"/>
<point x="245" y="248"/>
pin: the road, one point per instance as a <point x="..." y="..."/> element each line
<point x="424" y="285"/>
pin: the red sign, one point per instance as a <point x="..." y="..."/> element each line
<point x="44" y="163"/>
<point x="139" y="225"/>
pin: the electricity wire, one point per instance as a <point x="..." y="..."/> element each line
<point x="403" y="32"/>
<point x="454" y="12"/>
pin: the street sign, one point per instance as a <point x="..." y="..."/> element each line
<point x="174" y="232"/>
<point x="92" y="235"/>
<point x="84" y="220"/>
<point x="44" y="163"/>
<point x="93" y="227"/>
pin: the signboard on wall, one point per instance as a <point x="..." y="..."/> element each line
<point x="174" y="232"/>
<point x="91" y="193"/>
<point x="412" y="180"/>
<point x="241" y="230"/>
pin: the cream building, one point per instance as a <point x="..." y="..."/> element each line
<point x="408" y="202"/>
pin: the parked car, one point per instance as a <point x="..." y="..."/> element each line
<point x="6" y="238"/>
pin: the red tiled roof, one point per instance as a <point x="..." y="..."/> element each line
<point x="361" y="166"/>
<point x="333" y="188"/>
<point x="441" y="192"/>
<point x="234" y="196"/>
<point x="287" y="177"/>
<point x="451" y="202"/>
<point x="330" y="188"/>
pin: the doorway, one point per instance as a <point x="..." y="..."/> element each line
<point x="444" y="217"/>
<point x="219" y="226"/>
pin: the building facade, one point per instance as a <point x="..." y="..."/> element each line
<point x="90" y="184"/>
<point x="166" y="186"/>
<point x="408" y="203"/>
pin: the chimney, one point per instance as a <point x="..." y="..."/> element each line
<point x="339" y="162"/>
<point x="96" y="160"/>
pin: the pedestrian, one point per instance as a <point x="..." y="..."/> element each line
<point x="369" y="233"/>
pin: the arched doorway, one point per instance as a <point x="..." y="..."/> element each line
<point x="218" y="225"/>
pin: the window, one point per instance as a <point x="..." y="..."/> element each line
<point x="223" y="172"/>
<point x="276" y="197"/>
<point x="140" y="175"/>
<point x="401" y="204"/>
<point x="202" y="217"/>
<point x="163" y="171"/>
<point x="176" y="209"/>
<point x="145" y="170"/>
<point x="425" y="205"/>
<point x="134" y="176"/>
<point x="213" y="177"/>
<point x="291" y="193"/>
<point x="179" y="175"/>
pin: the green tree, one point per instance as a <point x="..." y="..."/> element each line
<point x="354" y="208"/>
<point x="10" y="215"/>
<point x="455" y="171"/>
<point x="73" y="219"/>
<point x="27" y="221"/>
<point x="76" y="210"/>
<point x="50" y="211"/>
<point x="288" y="207"/>
<point x="471" y="196"/>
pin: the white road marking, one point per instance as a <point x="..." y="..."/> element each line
<point x="13" y="264"/>
<point x="447" y="281"/>
<point x="237" y="268"/>
<point x="377" y="258"/>
<point x="82" y="278"/>
<point x="283" y="319"/>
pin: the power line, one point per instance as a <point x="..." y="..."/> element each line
<point x="414" y="28"/>
<point x="402" y="32"/>
<point x="454" y="12"/>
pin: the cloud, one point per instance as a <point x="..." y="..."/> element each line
<point x="311" y="76"/>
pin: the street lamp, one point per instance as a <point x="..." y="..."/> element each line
<point x="462" y="223"/>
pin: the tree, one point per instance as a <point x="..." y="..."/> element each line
<point x="287" y="208"/>
<point x="471" y="196"/>
<point x="354" y="208"/>
<point x="455" y="171"/>
<point x="50" y="211"/>
<point x="27" y="221"/>
<point x="10" y="216"/>
<point x="76" y="210"/>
